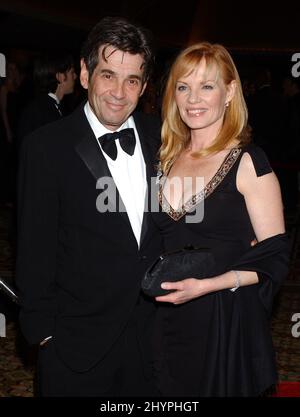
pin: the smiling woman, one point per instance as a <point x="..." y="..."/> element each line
<point x="203" y="86"/>
<point x="204" y="80"/>
<point x="219" y="323"/>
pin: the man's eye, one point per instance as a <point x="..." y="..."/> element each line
<point x="133" y="82"/>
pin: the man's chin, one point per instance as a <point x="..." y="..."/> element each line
<point x="113" y="124"/>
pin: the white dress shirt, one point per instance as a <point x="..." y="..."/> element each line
<point x="57" y="102"/>
<point x="128" y="172"/>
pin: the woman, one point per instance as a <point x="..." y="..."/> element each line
<point x="211" y="341"/>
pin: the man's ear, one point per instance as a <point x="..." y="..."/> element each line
<point x="143" y="89"/>
<point x="84" y="75"/>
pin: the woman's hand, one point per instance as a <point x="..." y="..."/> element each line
<point x="186" y="290"/>
<point x="190" y="288"/>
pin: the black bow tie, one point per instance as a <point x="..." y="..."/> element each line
<point x="126" y="138"/>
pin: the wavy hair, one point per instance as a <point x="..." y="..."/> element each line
<point x="175" y="133"/>
<point x="123" y="35"/>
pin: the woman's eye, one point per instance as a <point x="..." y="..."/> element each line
<point x="181" y="87"/>
<point x="207" y="87"/>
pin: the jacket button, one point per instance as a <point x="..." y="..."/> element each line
<point x="143" y="258"/>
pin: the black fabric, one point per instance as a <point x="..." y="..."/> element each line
<point x="119" y="374"/>
<point x="270" y="259"/>
<point x="38" y="112"/>
<point x="59" y="107"/>
<point x="126" y="138"/>
<point x="260" y="161"/>
<point x="171" y="267"/>
<point x="220" y="344"/>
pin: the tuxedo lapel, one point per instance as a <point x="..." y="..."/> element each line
<point x="150" y="161"/>
<point x="88" y="150"/>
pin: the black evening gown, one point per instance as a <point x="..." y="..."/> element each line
<point x="218" y="344"/>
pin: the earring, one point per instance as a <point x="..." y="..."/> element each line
<point x="226" y="104"/>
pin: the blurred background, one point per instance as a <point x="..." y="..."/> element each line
<point x="257" y="32"/>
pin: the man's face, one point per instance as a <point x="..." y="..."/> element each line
<point x="69" y="81"/>
<point x="115" y="86"/>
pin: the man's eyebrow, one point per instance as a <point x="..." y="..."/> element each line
<point x="137" y="77"/>
<point x="107" y="71"/>
<point x="104" y="70"/>
<point x="130" y="76"/>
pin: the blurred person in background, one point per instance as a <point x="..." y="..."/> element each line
<point x="54" y="77"/>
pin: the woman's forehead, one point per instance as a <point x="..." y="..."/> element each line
<point x="203" y="70"/>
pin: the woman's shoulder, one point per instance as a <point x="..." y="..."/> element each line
<point x="258" y="157"/>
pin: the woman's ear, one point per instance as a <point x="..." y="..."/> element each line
<point x="230" y="91"/>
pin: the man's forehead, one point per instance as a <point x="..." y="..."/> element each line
<point x="112" y="55"/>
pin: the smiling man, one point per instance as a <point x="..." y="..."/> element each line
<point x="79" y="268"/>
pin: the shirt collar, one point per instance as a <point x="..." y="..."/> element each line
<point x="98" y="128"/>
<point x="52" y="95"/>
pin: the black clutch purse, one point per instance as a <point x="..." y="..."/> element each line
<point x="188" y="262"/>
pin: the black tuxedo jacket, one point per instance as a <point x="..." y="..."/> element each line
<point x="78" y="270"/>
<point x="39" y="112"/>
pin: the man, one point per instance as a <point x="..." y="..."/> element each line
<point x="54" y="76"/>
<point x="79" y="267"/>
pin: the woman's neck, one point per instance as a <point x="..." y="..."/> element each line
<point x="204" y="138"/>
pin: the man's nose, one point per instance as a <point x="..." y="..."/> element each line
<point x="118" y="89"/>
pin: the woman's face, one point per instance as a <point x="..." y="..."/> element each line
<point x="201" y="97"/>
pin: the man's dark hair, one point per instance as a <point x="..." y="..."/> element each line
<point x="46" y="67"/>
<point x="121" y="34"/>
